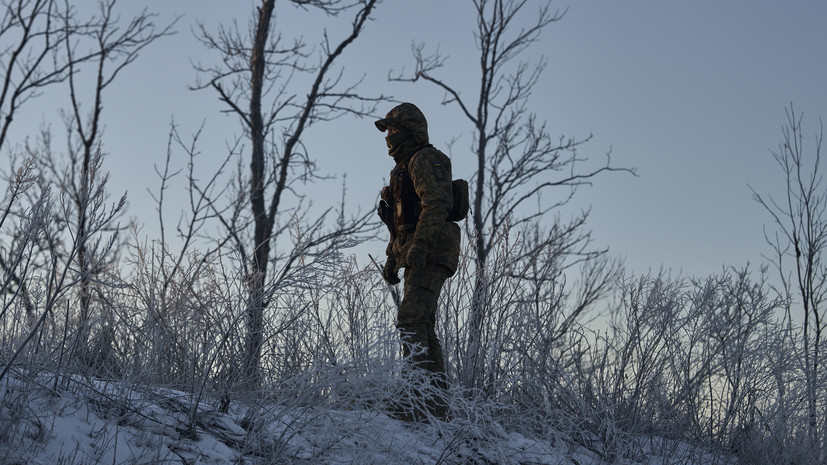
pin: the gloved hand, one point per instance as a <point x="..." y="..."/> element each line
<point x="416" y="256"/>
<point x="389" y="272"/>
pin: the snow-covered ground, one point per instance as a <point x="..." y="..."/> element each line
<point x="85" y="421"/>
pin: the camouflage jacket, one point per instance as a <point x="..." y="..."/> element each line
<point x="430" y="171"/>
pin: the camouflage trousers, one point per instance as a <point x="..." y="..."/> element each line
<point x="416" y="322"/>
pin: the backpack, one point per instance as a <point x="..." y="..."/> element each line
<point x="461" y="205"/>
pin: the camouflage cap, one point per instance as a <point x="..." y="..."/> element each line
<point x="406" y="116"/>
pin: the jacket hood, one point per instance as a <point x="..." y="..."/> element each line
<point x="406" y="117"/>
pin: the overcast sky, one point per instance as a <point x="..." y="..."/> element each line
<point x="692" y="94"/>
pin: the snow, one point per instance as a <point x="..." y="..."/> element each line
<point x="87" y="421"/>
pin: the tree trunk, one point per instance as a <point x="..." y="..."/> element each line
<point x="258" y="273"/>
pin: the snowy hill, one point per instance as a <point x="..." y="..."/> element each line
<point x="92" y="421"/>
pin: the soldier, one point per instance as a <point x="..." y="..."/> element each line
<point x="423" y="240"/>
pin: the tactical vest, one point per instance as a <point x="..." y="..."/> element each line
<point x="406" y="203"/>
<point x="401" y="206"/>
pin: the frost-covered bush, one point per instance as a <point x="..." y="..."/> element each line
<point x="664" y="363"/>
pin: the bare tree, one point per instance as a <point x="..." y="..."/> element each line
<point x="261" y="81"/>
<point x="517" y="160"/>
<point x="94" y="54"/>
<point x="115" y="47"/>
<point x="799" y="243"/>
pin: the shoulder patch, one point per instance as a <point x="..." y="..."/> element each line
<point x="439" y="171"/>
